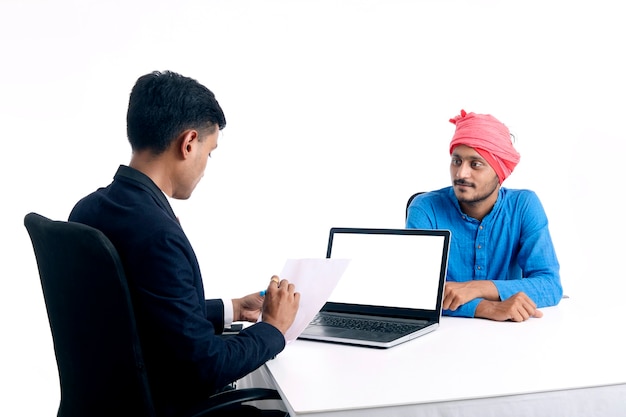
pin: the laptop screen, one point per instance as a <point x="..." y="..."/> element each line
<point x="399" y="268"/>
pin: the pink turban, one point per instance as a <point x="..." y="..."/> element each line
<point x="490" y="138"/>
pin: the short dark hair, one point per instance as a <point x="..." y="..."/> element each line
<point x="164" y="104"/>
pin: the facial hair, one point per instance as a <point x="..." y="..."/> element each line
<point x="479" y="198"/>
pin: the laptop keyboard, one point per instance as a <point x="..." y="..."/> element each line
<point x="380" y="326"/>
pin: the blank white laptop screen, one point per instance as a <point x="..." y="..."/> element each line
<point x="388" y="269"/>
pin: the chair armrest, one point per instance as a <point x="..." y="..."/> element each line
<point x="225" y="399"/>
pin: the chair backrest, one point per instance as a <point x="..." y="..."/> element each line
<point x="101" y="371"/>
<point x="408" y="203"/>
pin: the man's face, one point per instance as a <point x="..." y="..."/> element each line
<point x="206" y="145"/>
<point x="473" y="179"/>
<point x="200" y="151"/>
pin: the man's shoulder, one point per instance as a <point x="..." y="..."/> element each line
<point x="121" y="208"/>
<point x="519" y="195"/>
<point x="81" y="212"/>
<point x="433" y="203"/>
<point x="522" y="201"/>
<point x="518" y="191"/>
<point x="440" y="195"/>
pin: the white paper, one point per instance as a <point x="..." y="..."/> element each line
<point x="315" y="280"/>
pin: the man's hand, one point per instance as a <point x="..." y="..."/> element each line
<point x="518" y="307"/>
<point x="281" y="304"/>
<point x="247" y="308"/>
<point x="458" y="293"/>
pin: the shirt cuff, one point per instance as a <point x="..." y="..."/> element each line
<point x="228" y="312"/>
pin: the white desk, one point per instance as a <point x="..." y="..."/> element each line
<point x="564" y="364"/>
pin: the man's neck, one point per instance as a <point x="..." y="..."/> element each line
<point x="479" y="209"/>
<point x="154" y="168"/>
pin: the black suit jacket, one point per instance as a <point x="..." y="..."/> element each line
<point x="185" y="358"/>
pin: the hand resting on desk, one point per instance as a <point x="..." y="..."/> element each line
<point x="518" y="307"/>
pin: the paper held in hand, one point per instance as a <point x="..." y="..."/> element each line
<point x="315" y="279"/>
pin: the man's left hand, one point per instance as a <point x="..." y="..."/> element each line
<point x="247" y="308"/>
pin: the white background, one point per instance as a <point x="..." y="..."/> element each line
<point x="337" y="111"/>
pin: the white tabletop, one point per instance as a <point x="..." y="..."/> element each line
<point x="570" y="349"/>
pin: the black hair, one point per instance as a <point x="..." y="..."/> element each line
<point x="164" y="104"/>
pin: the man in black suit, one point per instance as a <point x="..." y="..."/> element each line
<point x="173" y="124"/>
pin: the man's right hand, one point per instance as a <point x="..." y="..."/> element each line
<point x="281" y="304"/>
<point x="458" y="293"/>
<point x="518" y="307"/>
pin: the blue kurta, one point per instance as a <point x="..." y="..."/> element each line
<point x="511" y="246"/>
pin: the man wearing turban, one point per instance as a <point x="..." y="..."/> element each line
<point x="502" y="263"/>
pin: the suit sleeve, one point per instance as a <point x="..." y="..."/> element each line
<point x="215" y="314"/>
<point x="183" y="326"/>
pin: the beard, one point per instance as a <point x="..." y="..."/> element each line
<point x="479" y="196"/>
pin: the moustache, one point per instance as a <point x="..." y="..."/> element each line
<point x="463" y="182"/>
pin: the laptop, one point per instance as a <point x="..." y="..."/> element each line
<point x="393" y="284"/>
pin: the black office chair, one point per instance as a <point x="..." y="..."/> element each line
<point x="99" y="358"/>
<point x="408" y="203"/>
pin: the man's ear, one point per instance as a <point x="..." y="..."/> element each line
<point x="186" y="142"/>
